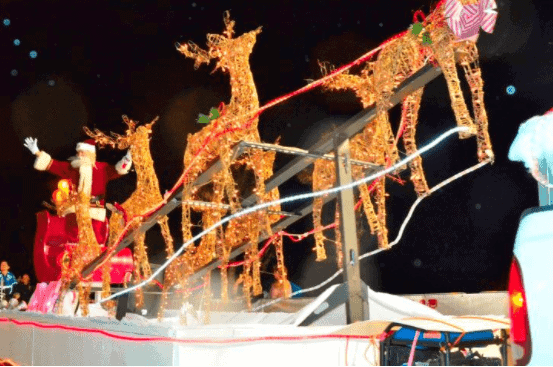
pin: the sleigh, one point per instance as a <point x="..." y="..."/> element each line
<point x="55" y="239"/>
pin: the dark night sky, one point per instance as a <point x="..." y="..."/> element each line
<point x="97" y="60"/>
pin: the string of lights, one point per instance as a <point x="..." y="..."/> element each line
<point x="252" y="115"/>
<point x="398" y="238"/>
<point x="258" y="207"/>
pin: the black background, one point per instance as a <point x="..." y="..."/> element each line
<point x="98" y="60"/>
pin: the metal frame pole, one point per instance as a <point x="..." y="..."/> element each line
<point x="357" y="306"/>
<point x="347" y="130"/>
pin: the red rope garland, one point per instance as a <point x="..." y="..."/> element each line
<point x="297" y="237"/>
<point x="271" y="103"/>
<point x="188" y="341"/>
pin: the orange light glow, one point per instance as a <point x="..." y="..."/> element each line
<point x="517" y="300"/>
<point x="64" y="186"/>
<point x="59" y="196"/>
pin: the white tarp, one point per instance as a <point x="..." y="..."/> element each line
<point x="231" y="338"/>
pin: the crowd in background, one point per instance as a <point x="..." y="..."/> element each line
<point x="14" y="292"/>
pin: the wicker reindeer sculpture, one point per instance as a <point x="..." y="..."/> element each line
<point x="146" y="195"/>
<point x="397" y="61"/>
<point x="237" y="122"/>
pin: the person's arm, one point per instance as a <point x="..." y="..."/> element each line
<point x="10" y="282"/>
<point x="121" y="168"/>
<point x="44" y="161"/>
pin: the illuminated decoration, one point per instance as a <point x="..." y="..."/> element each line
<point x="206" y="298"/>
<point x="146" y="195"/>
<point x="62" y="196"/>
<point x="177" y="255"/>
<point x="214" y="114"/>
<point x="87" y="247"/>
<point x="64" y="185"/>
<point x="232" y="55"/>
<point x="398" y="59"/>
<point x="86" y="250"/>
<point x="59" y="197"/>
<point x="429" y="40"/>
<point x="466" y="17"/>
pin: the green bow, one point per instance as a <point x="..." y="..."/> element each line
<point x="213" y="114"/>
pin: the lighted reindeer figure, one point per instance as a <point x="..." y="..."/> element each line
<point x="146" y="195"/>
<point x="367" y="146"/>
<point x="397" y="61"/>
<point x="238" y="122"/>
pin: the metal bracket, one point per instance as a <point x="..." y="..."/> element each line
<point x="337" y="298"/>
<point x="357" y="308"/>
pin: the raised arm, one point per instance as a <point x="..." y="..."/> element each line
<point x="44" y="161"/>
<point x="121" y="168"/>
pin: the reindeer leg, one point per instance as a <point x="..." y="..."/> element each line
<point x="409" y="117"/>
<point x="380" y="197"/>
<point x="106" y="284"/>
<point x="372" y="219"/>
<point x="254" y="253"/>
<point x="469" y="61"/>
<point x="281" y="268"/>
<point x="324" y="177"/>
<point x="141" y="266"/>
<point x="246" y="275"/>
<point x="168" y="282"/>
<point x="444" y="54"/>
<point x="166" y="233"/>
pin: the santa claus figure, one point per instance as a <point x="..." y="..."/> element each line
<point x="88" y="176"/>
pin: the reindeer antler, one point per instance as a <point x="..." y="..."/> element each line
<point x="130" y="124"/>
<point x="100" y="137"/>
<point x="193" y="51"/>
<point x="149" y="126"/>
<point x="229" y="25"/>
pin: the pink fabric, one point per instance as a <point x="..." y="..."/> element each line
<point x="44" y="297"/>
<point x="412" y="353"/>
<point x="465" y="21"/>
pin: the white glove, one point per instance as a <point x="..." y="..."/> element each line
<point x="126" y="161"/>
<point x="32" y="145"/>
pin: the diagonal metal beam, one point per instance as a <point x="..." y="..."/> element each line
<point x="305" y="210"/>
<point x="301" y="152"/>
<point x="173" y="202"/>
<point x="347" y="130"/>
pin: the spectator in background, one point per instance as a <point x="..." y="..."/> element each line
<point x="7" y="280"/>
<point x="23" y="288"/>
<point x="281" y="288"/>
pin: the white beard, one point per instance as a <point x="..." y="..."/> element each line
<point x="84" y="164"/>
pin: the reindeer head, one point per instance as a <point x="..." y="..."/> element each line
<point x="133" y="135"/>
<point x="226" y="49"/>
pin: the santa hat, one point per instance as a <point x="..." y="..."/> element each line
<point x="88" y="145"/>
<point x="548" y="112"/>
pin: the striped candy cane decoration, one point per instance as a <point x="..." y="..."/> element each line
<point x="466" y="20"/>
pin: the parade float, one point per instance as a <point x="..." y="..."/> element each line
<point x="142" y="313"/>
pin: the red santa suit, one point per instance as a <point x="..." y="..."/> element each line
<point x="101" y="174"/>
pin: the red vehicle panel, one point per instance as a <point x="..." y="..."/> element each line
<point x="56" y="234"/>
